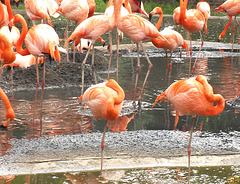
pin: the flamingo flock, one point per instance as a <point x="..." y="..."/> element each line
<point x="193" y="96"/>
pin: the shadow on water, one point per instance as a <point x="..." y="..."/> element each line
<point x="62" y="113"/>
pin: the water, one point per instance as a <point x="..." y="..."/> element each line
<point x="62" y="112"/>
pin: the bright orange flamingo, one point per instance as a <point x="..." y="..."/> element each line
<point x="10" y="115"/>
<point x="6" y="13"/>
<point x="138" y="30"/>
<point x="192" y="97"/>
<point x="105" y="101"/>
<point x="232" y="8"/>
<point x="91" y="28"/>
<point x="6" y="56"/>
<point x="174" y="38"/>
<point x="193" y="21"/>
<point x="76" y="11"/>
<point x="40" y="40"/>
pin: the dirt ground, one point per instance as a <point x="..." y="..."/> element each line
<point x="70" y="73"/>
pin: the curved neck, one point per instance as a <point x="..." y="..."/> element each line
<point x="208" y="92"/>
<point x="19" y="18"/>
<point x="9" y="9"/>
<point x="159" y="11"/>
<point x="7" y="53"/>
<point x="5" y="99"/>
<point x="115" y="100"/>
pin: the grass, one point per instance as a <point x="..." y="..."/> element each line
<point x="148" y="6"/>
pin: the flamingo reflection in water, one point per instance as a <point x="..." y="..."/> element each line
<point x="193" y="96"/>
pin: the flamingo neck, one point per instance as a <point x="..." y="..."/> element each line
<point x="159" y="22"/>
<point x="9" y="9"/>
<point x="5" y="100"/>
<point x="208" y="92"/>
<point x="112" y="111"/>
<point x="19" y="18"/>
<point x="7" y="53"/>
<point x="183" y="9"/>
<point x="117" y="11"/>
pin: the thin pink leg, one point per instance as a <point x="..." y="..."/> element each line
<point x="102" y="146"/>
<point x="189" y="147"/>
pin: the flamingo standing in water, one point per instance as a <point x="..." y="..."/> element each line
<point x="105" y="101"/>
<point x="174" y="38"/>
<point x="91" y="28"/>
<point x="193" y="21"/>
<point x="138" y="30"/>
<point x="40" y="40"/>
<point x="193" y="96"/>
<point x="232" y="8"/>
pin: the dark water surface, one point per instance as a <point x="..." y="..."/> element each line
<point x="62" y="112"/>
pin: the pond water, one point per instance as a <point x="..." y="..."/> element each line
<point x="62" y="112"/>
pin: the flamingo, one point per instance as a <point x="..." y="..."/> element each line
<point x="105" y="101"/>
<point x="232" y="8"/>
<point x="193" y="21"/>
<point x="91" y="28"/>
<point x="37" y="10"/>
<point x="125" y="10"/>
<point x="40" y="40"/>
<point x="6" y="13"/>
<point x="138" y="30"/>
<point x="6" y="56"/>
<point x="76" y="11"/>
<point x="193" y="96"/>
<point x="174" y="38"/>
<point x="22" y="61"/>
<point x="176" y="16"/>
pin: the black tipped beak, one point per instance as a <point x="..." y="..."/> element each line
<point x="150" y="16"/>
<point x="103" y="44"/>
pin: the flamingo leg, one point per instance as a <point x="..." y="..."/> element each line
<point x="170" y="69"/>
<point x="226" y="27"/>
<point x="102" y="146"/>
<point x="189" y="147"/>
<point x="166" y="70"/>
<point x="12" y="79"/>
<point x="194" y="65"/>
<point x="233" y="32"/>
<point x="36" y="94"/>
<point x="66" y="37"/>
<point x="146" y="77"/>
<point x="92" y="66"/>
<point x="190" y="62"/>
<point x="43" y="83"/>
<point x="110" y="53"/>
<point x="83" y="67"/>
<point x="137" y="75"/>
<point x="117" y="43"/>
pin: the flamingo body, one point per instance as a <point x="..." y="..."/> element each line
<point x="205" y="8"/>
<point x="193" y="96"/>
<point x="74" y="10"/>
<point x="104" y="99"/>
<point x="174" y="38"/>
<point x="12" y="35"/>
<point x="232" y="7"/>
<point x="176" y="16"/>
